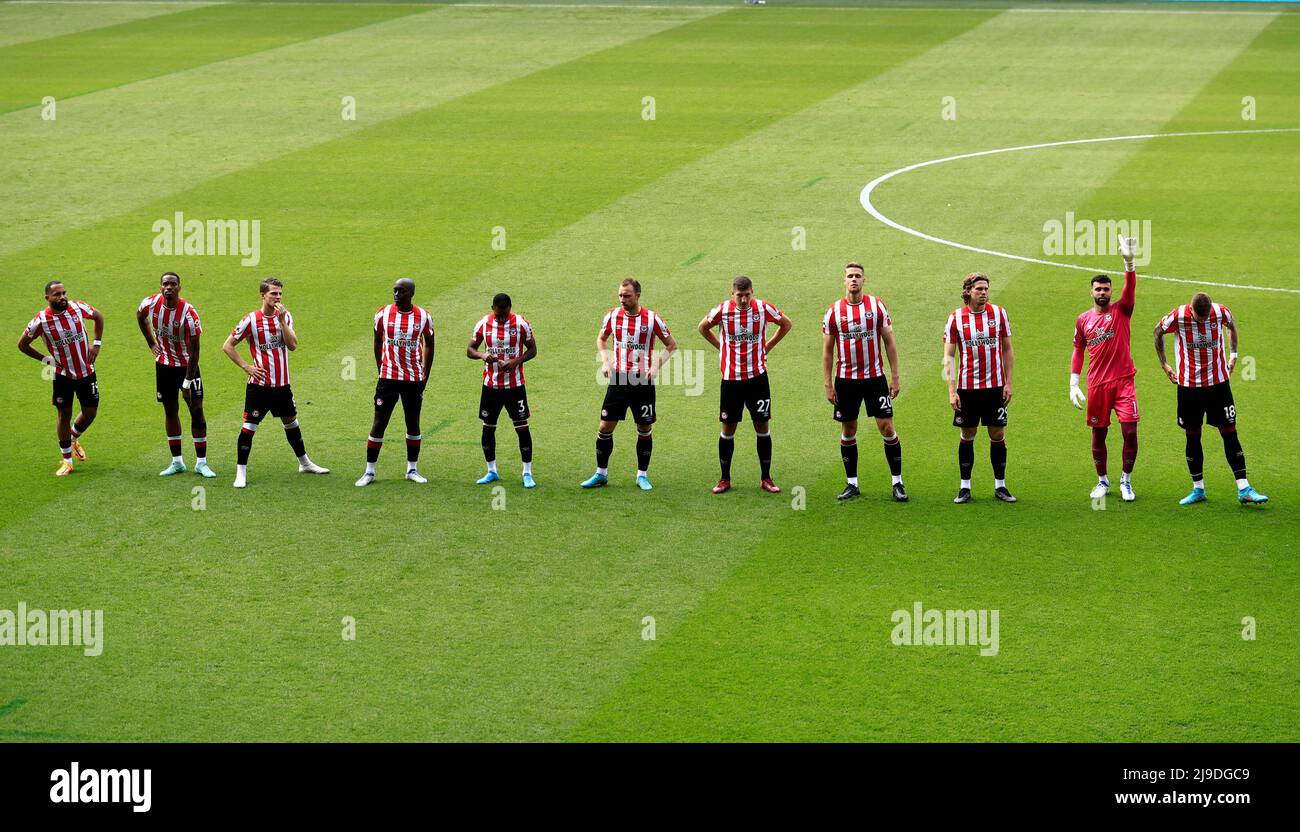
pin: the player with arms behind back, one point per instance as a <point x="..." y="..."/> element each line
<point x="271" y="337"/>
<point x="977" y="363"/>
<point x="403" y="356"/>
<point x="859" y="328"/>
<point x="1103" y="331"/>
<point x="507" y="342"/>
<point x="62" y="325"/>
<point x="1203" y="391"/>
<point x="171" y="328"/>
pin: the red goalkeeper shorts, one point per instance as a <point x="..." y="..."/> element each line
<point x="1119" y="395"/>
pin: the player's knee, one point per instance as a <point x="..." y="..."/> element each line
<point x="1227" y="429"/>
<point x="996" y="434"/>
<point x="885" y="426"/>
<point x="968" y="434"/>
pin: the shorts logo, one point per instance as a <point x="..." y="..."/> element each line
<point x="958" y="421"/>
<point x="379" y="402"/>
<point x="1093" y="419"/>
<point x="724" y="414"/>
<point x="484" y="413"/>
<point x="158" y="396"/>
<point x="59" y="399"/>
<point x="603" y="413"/>
<point x="256" y="414"/>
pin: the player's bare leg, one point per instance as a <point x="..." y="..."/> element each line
<point x="763" y="434"/>
<point x="998" y="459"/>
<point x="604" y="448"/>
<point x="726" y="450"/>
<point x="63" y="430"/>
<point x="293" y="433"/>
<point x="894" y="456"/>
<point x="1129" y="430"/>
<point x="965" y="463"/>
<point x="172" y="422"/>
<point x="849" y="456"/>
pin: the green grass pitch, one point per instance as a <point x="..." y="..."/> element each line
<point x="522" y="615"/>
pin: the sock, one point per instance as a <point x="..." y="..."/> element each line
<point x="726" y="449"/>
<point x="174" y="445"/>
<point x="1243" y="483"/>
<point x="604" y="447"/>
<point x="370" y="468"/>
<point x="1235" y="455"/>
<point x="65" y="449"/>
<point x="413" y="450"/>
<point x="525" y="443"/>
<point x="1195" y="458"/>
<point x="241" y="470"/>
<point x="1099" y="451"/>
<point x="765" y="455"/>
<point x="294" y="434"/>
<point x="849" y="455"/>
<point x="644" y="447"/>
<point x="201" y="448"/>
<point x="78" y="428"/>
<point x="245" y="443"/>
<point x="492" y="466"/>
<point x="966" y="459"/>
<point x="489" y="443"/>
<point x="998" y="483"/>
<point x="998" y="457"/>
<point x="374" y="444"/>
<point x="528" y="468"/>
<point x="1130" y="453"/>
<point x="894" y="454"/>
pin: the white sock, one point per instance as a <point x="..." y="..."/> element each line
<point x="201" y="461"/>
<point x="1126" y="477"/>
<point x="304" y="460"/>
<point x="1243" y="483"/>
<point x="179" y="460"/>
<point x="640" y="473"/>
<point x="997" y="483"/>
<point x="241" y="470"/>
<point x="853" y="481"/>
<point x="1103" y="480"/>
<point x="898" y="479"/>
<point x="492" y="466"/>
<point x="1201" y="484"/>
<point x="410" y="466"/>
<point x="604" y="472"/>
<point x="370" y="468"/>
<point x="965" y="484"/>
<point x="528" y="468"/>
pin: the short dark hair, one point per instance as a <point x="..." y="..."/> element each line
<point x="500" y="301"/>
<point x="633" y="282"/>
<point x="51" y="284"/>
<point x="1201" y="304"/>
<point x="742" y="284"/>
<point x="170" y="274"/>
<point x="268" y="283"/>
<point x="1101" y="278"/>
<point x="854" y="265"/>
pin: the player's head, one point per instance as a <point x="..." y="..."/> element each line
<point x="742" y="291"/>
<point x="170" y="283"/>
<point x="56" y="295"/>
<point x="629" y="293"/>
<point x="854" y="277"/>
<point x="272" y="290"/>
<point x="975" y="289"/>
<point x="1201" y="306"/>
<point x="1101" y="290"/>
<point x="501" y="305"/>
<point x="403" y="291"/>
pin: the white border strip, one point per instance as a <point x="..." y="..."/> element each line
<point x="865" y="199"/>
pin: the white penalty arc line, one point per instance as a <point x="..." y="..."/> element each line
<point x="865" y="198"/>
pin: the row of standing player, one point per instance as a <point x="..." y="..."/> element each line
<point x="857" y="337"/>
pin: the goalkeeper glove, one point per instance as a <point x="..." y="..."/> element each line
<point x="1128" y="250"/>
<point x="1076" y="395"/>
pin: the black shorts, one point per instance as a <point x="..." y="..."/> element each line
<point x="1214" y="403"/>
<point x="168" y="381"/>
<point x="639" y="397"/>
<point x="85" y="389"/>
<point x="981" y="406"/>
<point x="514" y="400"/>
<point x="260" y="400"/>
<point x="852" y="393"/>
<point x="753" y="394"/>
<point x="388" y="391"/>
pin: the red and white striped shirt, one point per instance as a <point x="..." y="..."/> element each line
<point x="978" y="336"/>
<point x="266" y="343"/>
<point x="857" y="328"/>
<point x="744" y="337"/>
<point x="402" y="353"/>
<point x="634" y="337"/>
<point x="504" y="341"/>
<point x="65" y="337"/>
<point x="172" y="328"/>
<point x="1200" y="358"/>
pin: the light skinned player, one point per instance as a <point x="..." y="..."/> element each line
<point x="1202" y="375"/>
<point x="71" y="355"/>
<point x="1103" y="332"/>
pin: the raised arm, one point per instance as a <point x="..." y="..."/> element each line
<point x="1127" y="299"/>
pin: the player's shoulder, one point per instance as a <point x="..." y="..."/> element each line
<point x="148" y="301"/>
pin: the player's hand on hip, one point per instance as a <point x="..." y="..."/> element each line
<point x="894" y="388"/>
<point x="1169" y="372"/>
<point x="1128" y="250"/>
<point x="954" y="401"/>
<point x="1006" y="395"/>
<point x="256" y="373"/>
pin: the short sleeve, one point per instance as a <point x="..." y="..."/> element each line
<point x="428" y="324"/>
<point x="145" y="304"/>
<point x="661" y="328"/>
<point x="192" y="322"/>
<point x="830" y="325"/>
<point x="1006" y="323"/>
<point x="607" y="325"/>
<point x="379" y="321"/>
<point x="525" y="329"/>
<point x="772" y="312"/>
<point x="288" y="319"/>
<point x="83" y="307"/>
<point x="1169" y="322"/>
<point x="240" y="332"/>
<point x="1226" y="314"/>
<point x="950" y="334"/>
<point x="715" y="314"/>
<point x="884" y="312"/>
<point x="33" y="326"/>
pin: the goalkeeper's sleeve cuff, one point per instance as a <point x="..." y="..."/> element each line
<point x="1074" y="380"/>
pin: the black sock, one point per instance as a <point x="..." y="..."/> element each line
<point x="1195" y="456"/>
<point x="1235" y="455"/>
<point x="604" y="447"/>
<point x="243" y="445"/>
<point x="726" y="448"/>
<point x="373" y="446"/>
<point x="894" y="454"/>
<point x="525" y="443"/>
<point x="489" y="443"/>
<point x="966" y="457"/>
<point x="849" y="454"/>
<point x="997" y="456"/>
<point x="644" y="446"/>
<point x="765" y="455"/>
<point x="294" y="434"/>
<point x="413" y="447"/>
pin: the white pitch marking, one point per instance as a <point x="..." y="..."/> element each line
<point x="865" y="199"/>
